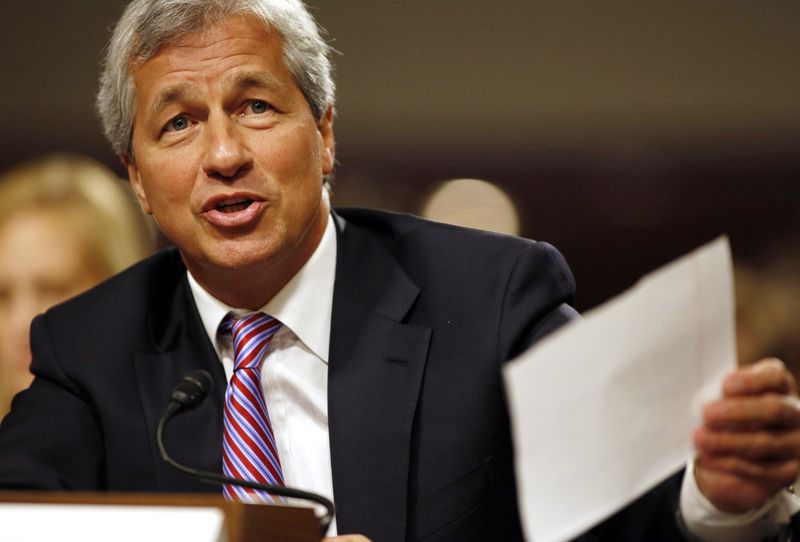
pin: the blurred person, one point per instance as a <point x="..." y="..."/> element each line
<point x="768" y="308"/>
<point x="473" y="203"/>
<point x="66" y="223"/>
<point x="363" y="349"/>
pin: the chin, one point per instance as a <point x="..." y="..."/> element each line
<point x="242" y="255"/>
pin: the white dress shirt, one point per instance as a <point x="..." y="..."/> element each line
<point x="294" y="376"/>
<point x="709" y="524"/>
<point x="295" y="384"/>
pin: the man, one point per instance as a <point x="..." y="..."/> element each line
<point x="383" y="380"/>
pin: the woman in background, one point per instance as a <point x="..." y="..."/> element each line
<point x="66" y="223"/>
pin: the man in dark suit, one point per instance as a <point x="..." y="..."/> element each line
<point x="383" y="383"/>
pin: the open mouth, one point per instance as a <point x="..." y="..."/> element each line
<point x="234" y="210"/>
<point x="233" y="206"/>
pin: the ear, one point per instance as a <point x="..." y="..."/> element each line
<point x="136" y="182"/>
<point x="325" y="127"/>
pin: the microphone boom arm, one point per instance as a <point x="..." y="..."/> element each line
<point x="178" y="405"/>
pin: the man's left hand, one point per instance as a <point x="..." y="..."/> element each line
<point x="749" y="444"/>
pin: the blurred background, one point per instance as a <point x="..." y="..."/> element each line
<point x="625" y="133"/>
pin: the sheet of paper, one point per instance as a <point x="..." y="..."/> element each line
<point x="101" y="523"/>
<point x="604" y="409"/>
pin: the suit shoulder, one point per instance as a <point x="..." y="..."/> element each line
<point x="525" y="287"/>
<point x="406" y="233"/>
<point x="395" y="226"/>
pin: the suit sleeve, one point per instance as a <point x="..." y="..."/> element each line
<point x="537" y="300"/>
<point x="52" y="438"/>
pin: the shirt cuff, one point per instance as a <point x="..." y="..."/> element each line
<point x="708" y="524"/>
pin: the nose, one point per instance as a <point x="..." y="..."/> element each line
<point x="227" y="155"/>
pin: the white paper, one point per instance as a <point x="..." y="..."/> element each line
<point x="605" y="408"/>
<point x="102" y="523"/>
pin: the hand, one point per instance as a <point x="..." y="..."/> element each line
<point x="749" y="444"/>
<point x="347" y="538"/>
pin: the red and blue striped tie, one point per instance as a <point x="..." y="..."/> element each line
<point x="249" y="450"/>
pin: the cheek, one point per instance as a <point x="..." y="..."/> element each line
<point x="163" y="175"/>
<point x="166" y="187"/>
<point x="295" y="153"/>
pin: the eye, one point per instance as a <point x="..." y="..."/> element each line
<point x="177" y="124"/>
<point x="259" y="107"/>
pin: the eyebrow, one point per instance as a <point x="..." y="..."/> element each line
<point x="172" y="94"/>
<point x="237" y="81"/>
<point x="252" y="79"/>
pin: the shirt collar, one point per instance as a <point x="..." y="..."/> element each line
<point x="303" y="305"/>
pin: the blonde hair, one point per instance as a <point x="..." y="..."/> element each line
<point x="97" y="203"/>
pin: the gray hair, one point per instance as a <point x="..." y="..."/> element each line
<point x="147" y="25"/>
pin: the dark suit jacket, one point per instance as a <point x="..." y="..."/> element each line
<point x="424" y="315"/>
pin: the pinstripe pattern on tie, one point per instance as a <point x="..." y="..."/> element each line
<point x="248" y="448"/>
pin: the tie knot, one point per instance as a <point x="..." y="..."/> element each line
<point x="252" y="334"/>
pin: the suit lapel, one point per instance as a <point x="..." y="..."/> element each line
<point x="375" y="374"/>
<point x="180" y="345"/>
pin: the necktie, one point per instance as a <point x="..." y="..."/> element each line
<point x="249" y="450"/>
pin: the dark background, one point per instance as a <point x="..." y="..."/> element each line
<point x="627" y="132"/>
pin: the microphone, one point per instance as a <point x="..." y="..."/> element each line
<point x="189" y="393"/>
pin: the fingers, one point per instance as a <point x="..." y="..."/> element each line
<point x="749" y="444"/>
<point x="768" y="375"/>
<point x="347" y="538"/>
<point x="751" y="413"/>
<point x="754" y="445"/>
<point x="777" y="474"/>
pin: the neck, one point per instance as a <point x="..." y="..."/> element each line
<point x="251" y="287"/>
<point x="245" y="288"/>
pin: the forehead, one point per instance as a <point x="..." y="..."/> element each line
<point x="219" y="30"/>
<point x="212" y="57"/>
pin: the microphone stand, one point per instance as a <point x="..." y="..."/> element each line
<point x="176" y="406"/>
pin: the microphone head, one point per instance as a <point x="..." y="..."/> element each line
<point x="190" y="391"/>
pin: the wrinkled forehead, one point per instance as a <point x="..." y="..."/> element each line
<point x="232" y="52"/>
<point x="149" y="40"/>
